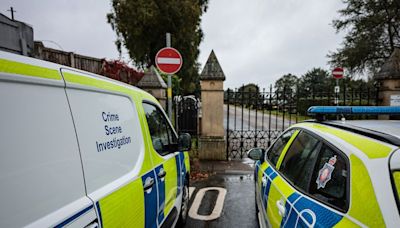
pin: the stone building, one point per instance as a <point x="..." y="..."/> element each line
<point x="155" y="85"/>
<point x="16" y="36"/>
<point x="389" y="80"/>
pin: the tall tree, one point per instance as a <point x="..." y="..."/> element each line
<point x="285" y="88"/>
<point x="287" y="82"/>
<point x="141" y="26"/>
<point x="316" y="80"/>
<point x="373" y="32"/>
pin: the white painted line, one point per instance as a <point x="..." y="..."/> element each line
<point x="162" y="60"/>
<point x="219" y="204"/>
<point x="259" y="219"/>
<point x="191" y="190"/>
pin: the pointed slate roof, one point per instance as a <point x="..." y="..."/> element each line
<point x="152" y="79"/>
<point x="212" y="70"/>
<point x="391" y="68"/>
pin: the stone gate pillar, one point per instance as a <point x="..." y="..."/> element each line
<point x="212" y="144"/>
<point x="389" y="80"/>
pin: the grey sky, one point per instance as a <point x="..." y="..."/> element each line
<point x="255" y="40"/>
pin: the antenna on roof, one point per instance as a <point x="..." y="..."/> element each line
<point x="12" y="12"/>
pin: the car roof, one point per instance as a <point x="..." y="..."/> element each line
<point x="382" y="130"/>
<point x="390" y="127"/>
<point x="369" y="142"/>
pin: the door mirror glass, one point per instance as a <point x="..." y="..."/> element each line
<point x="256" y="153"/>
<point x="185" y="142"/>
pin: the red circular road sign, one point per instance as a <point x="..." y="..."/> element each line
<point x="338" y="73"/>
<point x="169" y="60"/>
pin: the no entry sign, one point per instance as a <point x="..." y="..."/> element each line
<point x="168" y="60"/>
<point x="337" y="73"/>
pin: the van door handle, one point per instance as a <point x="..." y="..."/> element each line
<point x="148" y="184"/>
<point x="162" y="173"/>
<point x="281" y="208"/>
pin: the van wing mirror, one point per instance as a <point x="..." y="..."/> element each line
<point x="185" y="142"/>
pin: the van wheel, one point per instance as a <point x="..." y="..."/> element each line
<point x="185" y="204"/>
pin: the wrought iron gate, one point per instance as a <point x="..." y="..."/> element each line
<point x="186" y="114"/>
<point x="256" y="118"/>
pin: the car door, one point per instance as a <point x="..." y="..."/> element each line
<point x="312" y="180"/>
<point x="266" y="171"/>
<point x="164" y="145"/>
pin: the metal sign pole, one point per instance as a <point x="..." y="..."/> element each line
<point x="337" y="90"/>
<point x="169" y="89"/>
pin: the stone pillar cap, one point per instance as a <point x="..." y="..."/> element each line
<point x="212" y="70"/>
<point x="152" y="79"/>
<point x="391" y="68"/>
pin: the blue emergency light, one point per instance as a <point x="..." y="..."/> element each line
<point x="354" y="110"/>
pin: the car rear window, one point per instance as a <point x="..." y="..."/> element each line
<point x="318" y="170"/>
<point x="329" y="180"/>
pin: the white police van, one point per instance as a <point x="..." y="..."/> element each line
<point x="81" y="150"/>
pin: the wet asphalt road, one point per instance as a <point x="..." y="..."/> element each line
<point x="238" y="207"/>
<point x="254" y="120"/>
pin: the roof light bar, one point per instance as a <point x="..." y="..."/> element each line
<point x="355" y="110"/>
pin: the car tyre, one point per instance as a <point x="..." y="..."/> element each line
<point x="185" y="204"/>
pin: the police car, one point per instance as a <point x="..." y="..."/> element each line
<point x="331" y="173"/>
<point x="81" y="150"/>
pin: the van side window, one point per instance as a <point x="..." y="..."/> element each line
<point x="298" y="164"/>
<point x="275" y="152"/>
<point x="329" y="179"/>
<point x="163" y="137"/>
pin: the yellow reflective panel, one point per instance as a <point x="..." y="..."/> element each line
<point x="283" y="186"/>
<point x="272" y="210"/>
<point x="261" y="170"/>
<point x="124" y="207"/>
<point x="280" y="190"/>
<point x="94" y="82"/>
<point x="278" y="164"/>
<point x="396" y="177"/>
<point x="171" y="184"/>
<point x="371" y="148"/>
<point x="363" y="203"/>
<point x="345" y="222"/>
<point x="260" y="174"/>
<point x="12" y="67"/>
<point x="187" y="161"/>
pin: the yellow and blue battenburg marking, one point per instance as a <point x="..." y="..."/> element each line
<point x="298" y="214"/>
<point x="271" y="175"/>
<point x="297" y="207"/>
<point x="161" y="196"/>
<point x="150" y="199"/>
<point x="180" y="165"/>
